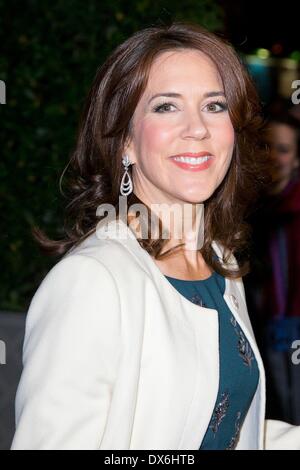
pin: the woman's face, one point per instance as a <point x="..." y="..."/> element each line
<point x="283" y="143"/>
<point x="195" y="121"/>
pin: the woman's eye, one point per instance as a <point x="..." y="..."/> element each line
<point x="217" y="107"/>
<point x="162" y="107"/>
<point x="214" y="107"/>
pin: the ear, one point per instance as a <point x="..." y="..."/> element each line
<point x="129" y="150"/>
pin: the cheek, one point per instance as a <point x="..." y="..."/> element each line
<point x="224" y="138"/>
<point x="154" y="138"/>
<point x="227" y="137"/>
<point x="222" y="135"/>
<point x="286" y="159"/>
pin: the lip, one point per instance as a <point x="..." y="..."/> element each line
<point x="191" y="154"/>
<point x="190" y="166"/>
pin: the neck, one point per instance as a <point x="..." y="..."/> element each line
<point x="183" y="224"/>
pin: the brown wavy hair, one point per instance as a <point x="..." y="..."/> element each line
<point x="95" y="167"/>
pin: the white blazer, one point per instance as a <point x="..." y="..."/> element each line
<point x="115" y="358"/>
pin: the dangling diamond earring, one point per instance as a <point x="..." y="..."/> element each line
<point x="126" y="187"/>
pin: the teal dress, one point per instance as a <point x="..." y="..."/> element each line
<point x="239" y="372"/>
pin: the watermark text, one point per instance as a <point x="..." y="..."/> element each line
<point x="2" y="92"/>
<point x="2" y="353"/>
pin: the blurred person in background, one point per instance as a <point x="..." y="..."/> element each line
<point x="273" y="285"/>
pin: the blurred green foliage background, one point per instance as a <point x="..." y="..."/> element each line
<point x="50" y="51"/>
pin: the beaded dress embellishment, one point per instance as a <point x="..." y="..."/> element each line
<point x="243" y="345"/>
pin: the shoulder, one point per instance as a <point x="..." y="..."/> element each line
<point x="94" y="272"/>
<point x="78" y="272"/>
<point x="106" y="253"/>
<point x="76" y="295"/>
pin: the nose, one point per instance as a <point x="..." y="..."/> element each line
<point x="195" y="126"/>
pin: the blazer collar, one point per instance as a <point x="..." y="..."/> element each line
<point x="234" y="291"/>
<point x="234" y="294"/>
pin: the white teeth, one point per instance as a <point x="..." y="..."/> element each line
<point x="195" y="161"/>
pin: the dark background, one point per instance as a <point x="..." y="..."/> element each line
<point x="50" y="51"/>
<point x="252" y="24"/>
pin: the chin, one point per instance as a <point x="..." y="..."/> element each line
<point x="198" y="200"/>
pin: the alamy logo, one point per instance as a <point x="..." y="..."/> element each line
<point x="2" y="92"/>
<point x="2" y="352"/>
<point x="296" y="354"/>
<point x="296" y="94"/>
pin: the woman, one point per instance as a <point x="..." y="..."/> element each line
<point x="123" y="335"/>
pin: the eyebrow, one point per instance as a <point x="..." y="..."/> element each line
<point x="178" y="95"/>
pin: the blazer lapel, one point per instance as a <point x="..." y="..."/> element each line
<point x="204" y="323"/>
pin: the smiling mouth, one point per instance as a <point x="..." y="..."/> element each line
<point x="193" y="163"/>
<point x="192" y="160"/>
